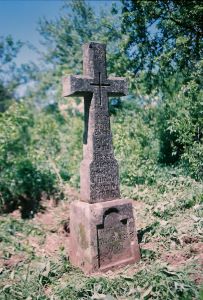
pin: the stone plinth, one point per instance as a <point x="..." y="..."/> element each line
<point x="102" y="235"/>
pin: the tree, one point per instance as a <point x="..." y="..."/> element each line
<point x="9" y="77"/>
<point x="164" y="47"/>
<point x="63" y="39"/>
<point x="164" y="39"/>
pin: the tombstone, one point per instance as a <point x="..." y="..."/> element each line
<point x="102" y="227"/>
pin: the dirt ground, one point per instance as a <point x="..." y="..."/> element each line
<point x="180" y="250"/>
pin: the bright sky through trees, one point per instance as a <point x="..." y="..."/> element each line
<point x="20" y="19"/>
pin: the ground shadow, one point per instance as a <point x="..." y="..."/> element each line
<point x="151" y="228"/>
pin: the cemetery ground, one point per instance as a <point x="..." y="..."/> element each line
<point x="34" y="260"/>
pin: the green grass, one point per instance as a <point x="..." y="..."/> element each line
<point x="51" y="280"/>
<point x="170" y="209"/>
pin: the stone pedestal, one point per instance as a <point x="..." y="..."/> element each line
<point x="102" y="235"/>
<point x="102" y="227"/>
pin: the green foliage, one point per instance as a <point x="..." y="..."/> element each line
<point x="39" y="152"/>
<point x="8" y="51"/>
<point x="136" y="147"/>
<point x="21" y="180"/>
<point x="57" y="143"/>
<point x="63" y="38"/>
<point x="153" y="283"/>
<point x="41" y="149"/>
<point x="180" y="129"/>
<point x="165" y="52"/>
<point x="164" y="39"/>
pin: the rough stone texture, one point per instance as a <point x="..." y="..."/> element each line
<point x="102" y="230"/>
<point x="103" y="235"/>
<point x="99" y="176"/>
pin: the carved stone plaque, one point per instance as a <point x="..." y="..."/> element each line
<point x="102" y="229"/>
<point x="113" y="240"/>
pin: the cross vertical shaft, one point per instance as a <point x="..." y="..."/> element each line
<point x="102" y="229"/>
<point x="99" y="175"/>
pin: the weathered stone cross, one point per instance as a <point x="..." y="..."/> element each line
<point x="102" y="229"/>
<point x="99" y="178"/>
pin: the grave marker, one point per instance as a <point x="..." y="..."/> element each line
<point x="102" y="213"/>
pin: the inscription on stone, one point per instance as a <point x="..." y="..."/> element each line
<point x="113" y="240"/>
<point x="102" y="235"/>
<point x="99" y="169"/>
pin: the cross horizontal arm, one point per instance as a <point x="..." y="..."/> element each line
<point x="118" y="86"/>
<point x="76" y="86"/>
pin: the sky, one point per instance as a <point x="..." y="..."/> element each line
<point x="20" y="18"/>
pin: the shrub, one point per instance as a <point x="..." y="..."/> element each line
<point x="180" y="127"/>
<point x="21" y="180"/>
<point x="136" y="146"/>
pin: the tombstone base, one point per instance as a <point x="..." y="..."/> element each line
<point x="102" y="235"/>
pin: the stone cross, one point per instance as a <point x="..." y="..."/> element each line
<point x="102" y="227"/>
<point x="99" y="176"/>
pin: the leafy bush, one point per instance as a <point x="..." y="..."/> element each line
<point x="136" y="146"/>
<point x="180" y="126"/>
<point x="21" y="180"/>
<point x="57" y="142"/>
<point x="164" y="51"/>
